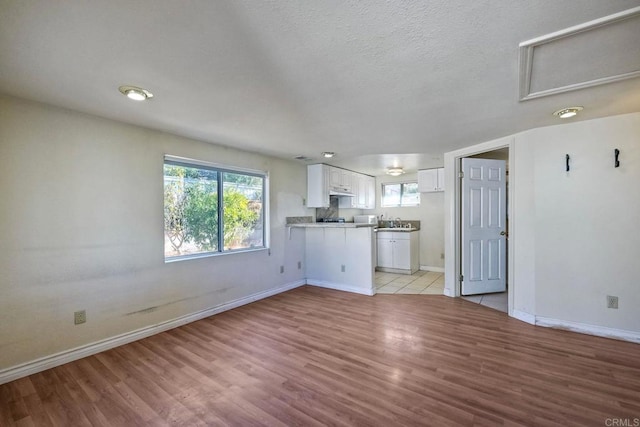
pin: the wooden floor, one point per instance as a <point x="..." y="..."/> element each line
<point x="314" y="356"/>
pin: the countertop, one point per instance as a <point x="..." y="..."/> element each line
<point x="350" y="225"/>
<point x="399" y="229"/>
<point x="330" y="225"/>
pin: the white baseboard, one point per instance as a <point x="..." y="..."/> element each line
<point x="583" y="328"/>
<point x="429" y="268"/>
<point x="449" y="292"/>
<point x="524" y="316"/>
<point x="395" y="270"/>
<point x="340" y="287"/>
<point x="48" y="362"/>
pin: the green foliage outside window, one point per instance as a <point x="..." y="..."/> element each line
<point x="191" y="213"/>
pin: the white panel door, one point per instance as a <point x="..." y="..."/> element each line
<point x="484" y="217"/>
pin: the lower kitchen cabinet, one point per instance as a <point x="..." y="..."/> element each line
<point x="398" y="251"/>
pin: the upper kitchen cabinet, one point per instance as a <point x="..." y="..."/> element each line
<point x="368" y="187"/>
<point x="317" y="186"/>
<point x="431" y="180"/>
<point x="364" y="189"/>
<point x="355" y="190"/>
<point x="340" y="179"/>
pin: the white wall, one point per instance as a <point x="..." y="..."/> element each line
<point x="577" y="232"/>
<point x="522" y="229"/>
<point x="430" y="213"/>
<point x="81" y="225"/>
<point x="573" y="236"/>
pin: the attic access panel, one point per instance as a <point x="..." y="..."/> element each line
<point x="597" y="52"/>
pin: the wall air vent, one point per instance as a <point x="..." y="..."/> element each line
<point x="597" y="52"/>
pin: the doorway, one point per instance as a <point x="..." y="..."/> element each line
<point x="499" y="149"/>
<point x="484" y="228"/>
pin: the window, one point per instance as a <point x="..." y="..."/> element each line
<point x="210" y="209"/>
<point x="400" y="194"/>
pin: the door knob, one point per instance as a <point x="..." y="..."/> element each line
<point x="503" y="233"/>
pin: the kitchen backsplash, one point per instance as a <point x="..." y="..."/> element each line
<point x="299" y="219"/>
<point x="386" y="224"/>
<point x="331" y="212"/>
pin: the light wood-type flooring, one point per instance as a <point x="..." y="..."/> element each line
<point x="314" y="356"/>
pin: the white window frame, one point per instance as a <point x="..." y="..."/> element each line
<point x="400" y="205"/>
<point x="221" y="168"/>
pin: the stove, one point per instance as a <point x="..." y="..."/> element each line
<point x="330" y="220"/>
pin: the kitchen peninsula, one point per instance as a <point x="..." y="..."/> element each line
<point x="339" y="256"/>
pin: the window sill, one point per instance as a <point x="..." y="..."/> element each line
<point x="212" y="254"/>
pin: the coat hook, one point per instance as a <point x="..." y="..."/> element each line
<point x="567" y="160"/>
<point x="617" y="162"/>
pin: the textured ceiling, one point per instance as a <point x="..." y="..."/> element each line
<point x="361" y="78"/>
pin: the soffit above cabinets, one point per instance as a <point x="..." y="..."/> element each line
<point x="563" y="61"/>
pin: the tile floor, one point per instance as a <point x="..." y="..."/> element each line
<point x="421" y="282"/>
<point x="430" y="282"/>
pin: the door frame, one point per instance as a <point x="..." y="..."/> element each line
<point x="453" y="218"/>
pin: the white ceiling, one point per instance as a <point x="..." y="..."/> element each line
<point x="378" y="82"/>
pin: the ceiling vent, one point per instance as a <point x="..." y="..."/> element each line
<point x="597" y="52"/>
<point x="303" y="158"/>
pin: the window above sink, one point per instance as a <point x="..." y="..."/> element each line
<point x="400" y="194"/>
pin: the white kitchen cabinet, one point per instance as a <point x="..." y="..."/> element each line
<point x="402" y="253"/>
<point x="364" y="189"/>
<point x="385" y="250"/>
<point x="398" y="251"/>
<point x="318" y="186"/>
<point x="340" y="179"/>
<point x="362" y="195"/>
<point x="431" y="180"/>
<point x="354" y="185"/>
<point x="324" y="179"/>
<point x="369" y="190"/>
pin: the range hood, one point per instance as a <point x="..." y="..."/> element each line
<point x="340" y="192"/>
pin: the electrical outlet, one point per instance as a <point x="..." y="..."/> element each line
<point x="79" y="317"/>
<point x="299" y="265"/>
<point x="281" y="269"/>
<point x="342" y="268"/>
<point x="612" y="302"/>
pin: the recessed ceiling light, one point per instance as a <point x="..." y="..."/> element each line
<point x="328" y="154"/>
<point x="568" y="112"/>
<point x="395" y="171"/>
<point x="135" y="93"/>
